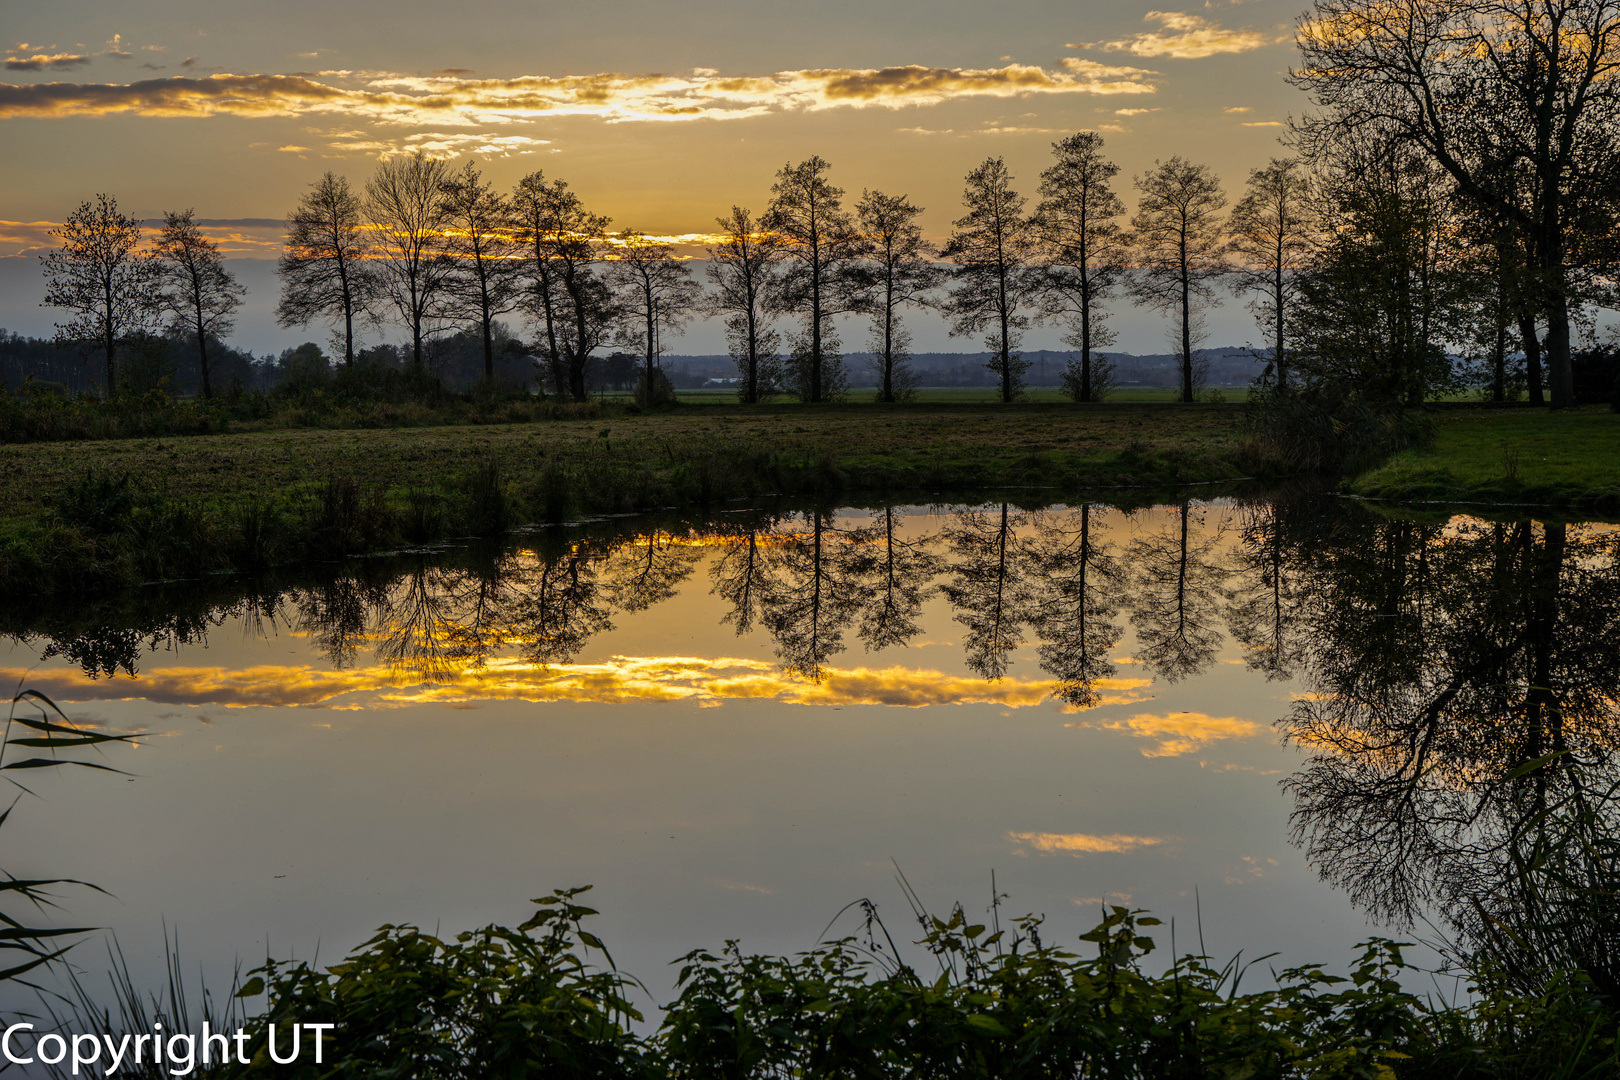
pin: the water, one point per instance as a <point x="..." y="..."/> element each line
<point x="1284" y="725"/>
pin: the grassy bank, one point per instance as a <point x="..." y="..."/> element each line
<point x="89" y="514"/>
<point x="1565" y="459"/>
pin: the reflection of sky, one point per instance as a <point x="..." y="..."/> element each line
<point x="284" y="803"/>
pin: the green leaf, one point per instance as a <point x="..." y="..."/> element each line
<point x="987" y="1025"/>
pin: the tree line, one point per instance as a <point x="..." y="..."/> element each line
<point x="1453" y="194"/>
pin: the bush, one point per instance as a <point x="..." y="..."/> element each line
<point x="1325" y="430"/>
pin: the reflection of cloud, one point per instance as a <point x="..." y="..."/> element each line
<point x="452" y="100"/>
<point x="1178" y="733"/>
<point x="1185" y="37"/>
<point x="38" y="61"/>
<point x="1081" y="843"/>
<point x="620" y="679"/>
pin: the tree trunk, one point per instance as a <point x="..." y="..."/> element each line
<point x="1532" y="356"/>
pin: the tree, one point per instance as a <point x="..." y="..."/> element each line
<point x="989" y="588"/>
<point x="1179" y="246"/>
<point x="1495" y="92"/>
<point x="902" y="272"/>
<point x="1271" y="230"/>
<point x="819" y="242"/>
<point x="743" y="271"/>
<point x="562" y="243"/>
<point x="99" y="277"/>
<point x="323" y="267"/>
<point x="1084" y="250"/>
<point x="1179" y="586"/>
<point x="405" y="201"/>
<point x="993" y="247"/>
<point x="1077" y="594"/>
<point x="658" y="291"/>
<point x="193" y="286"/>
<point x="480" y="238"/>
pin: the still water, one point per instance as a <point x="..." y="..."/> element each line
<point x="1292" y="724"/>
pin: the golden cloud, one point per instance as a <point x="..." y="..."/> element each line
<point x="1081" y="843"/>
<point x="38" y="61"/>
<point x="454" y="101"/>
<point x="1178" y="733"/>
<point x="620" y="679"/>
<point x="1185" y="37"/>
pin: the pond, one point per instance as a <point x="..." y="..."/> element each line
<point x="1284" y="724"/>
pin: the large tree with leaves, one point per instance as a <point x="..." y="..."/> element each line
<point x="101" y="279"/>
<point x="819" y="245"/>
<point x="323" y="266"/>
<point x="405" y="202"/>
<point x="901" y="270"/>
<point x="482" y="241"/>
<point x="1517" y="100"/>
<point x="994" y="247"/>
<point x="1271" y="230"/>
<point x="1179" y="249"/>
<point x="1084" y="250"/>
<point x="743" y="268"/>
<point x="194" y="288"/>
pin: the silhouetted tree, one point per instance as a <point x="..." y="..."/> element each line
<point x="480" y="237"/>
<point x="1265" y="611"/>
<point x="658" y="292"/>
<point x="1272" y="229"/>
<point x="193" y="286"/>
<point x="902" y="272"/>
<point x="1178" y="243"/>
<point x="562" y="243"/>
<point x="743" y="271"/>
<point x="100" y="278"/>
<point x="1481" y="87"/>
<point x="993" y="247"/>
<point x="1084" y="252"/>
<point x="648" y="569"/>
<point x="818" y="242"/>
<point x="323" y="267"/>
<point x="898" y="573"/>
<point x="815" y="592"/>
<point x="405" y="202"/>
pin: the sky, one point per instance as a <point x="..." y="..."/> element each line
<point x="661" y="115"/>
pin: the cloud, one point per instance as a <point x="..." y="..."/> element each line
<point x="115" y="49"/>
<point x="1078" y="844"/>
<point x="1177" y="733"/>
<point x="39" y="61"/>
<point x="443" y="145"/>
<point x="620" y="679"/>
<point x="1185" y="37"/>
<point x="259" y="237"/>
<point x="1237" y="109"/>
<point x="454" y="101"/>
<point x="452" y="72"/>
<point x="1265" y="123"/>
<point x="1134" y="112"/>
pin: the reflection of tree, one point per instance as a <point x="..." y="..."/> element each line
<point x="416" y="625"/>
<point x="1076" y="600"/>
<point x="988" y="587"/>
<point x="648" y="569"/>
<point x="814" y="591"/>
<point x="1264" y="614"/>
<point x="339" y="613"/>
<point x="898" y="573"/>
<point x="557" y="604"/>
<point x="1462" y="682"/>
<point x="1178" y="592"/>
<point x="741" y="574"/>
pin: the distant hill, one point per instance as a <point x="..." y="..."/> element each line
<point x="1230" y="366"/>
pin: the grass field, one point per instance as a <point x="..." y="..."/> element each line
<point x="1508" y="456"/>
<point x="897" y="446"/>
<point x="980" y="395"/>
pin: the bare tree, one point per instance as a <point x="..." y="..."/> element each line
<point x="902" y="271"/>
<point x="819" y="242"/>
<point x="1085" y="250"/>
<point x="481" y="239"/>
<point x="1178" y="238"/>
<point x="993" y="247"/>
<point x="405" y="201"/>
<point x="562" y="244"/>
<point x="1494" y="91"/>
<point x="323" y="267"/>
<point x="99" y="277"/>
<point x="659" y="292"/>
<point x="194" y="288"/>
<point x="1271" y="230"/>
<point x="743" y="271"/>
